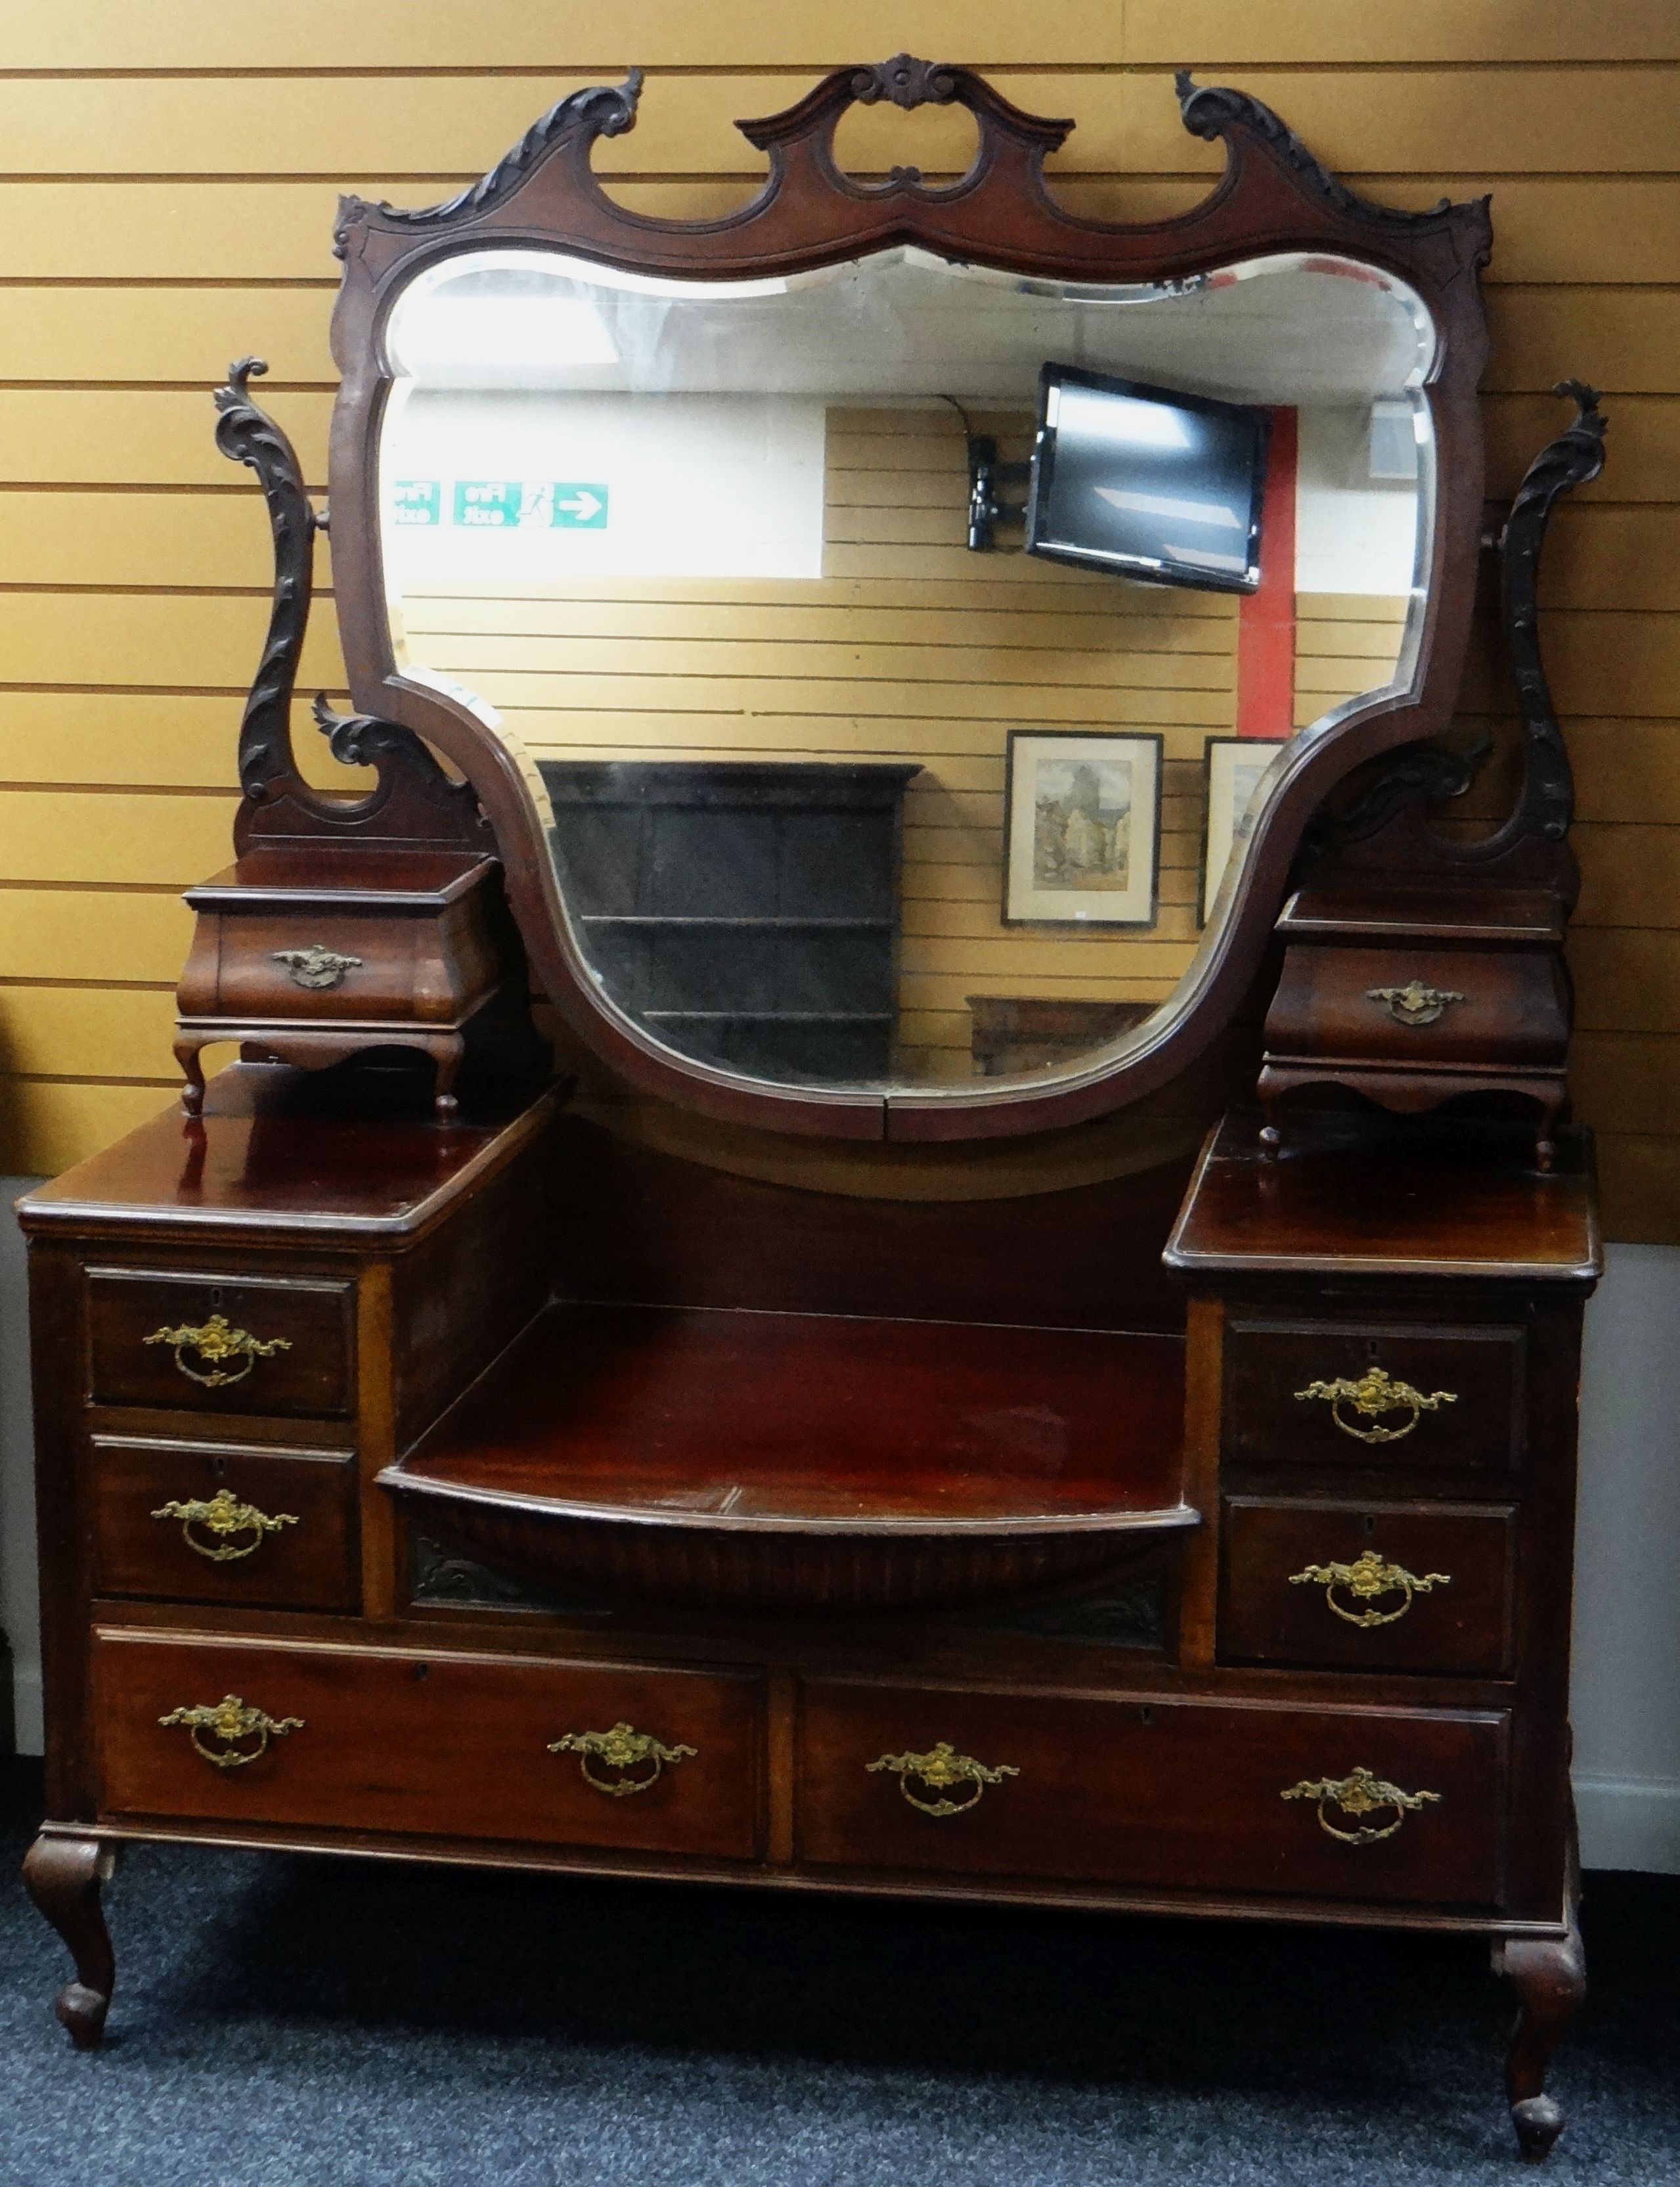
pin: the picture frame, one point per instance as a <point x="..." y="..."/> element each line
<point x="1081" y="828"/>
<point x="1231" y="765"/>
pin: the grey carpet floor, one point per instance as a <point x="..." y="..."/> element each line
<point x="286" y="2021"/>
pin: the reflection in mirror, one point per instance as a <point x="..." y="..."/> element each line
<point x="901" y="652"/>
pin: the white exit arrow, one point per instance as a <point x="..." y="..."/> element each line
<point x="584" y="506"/>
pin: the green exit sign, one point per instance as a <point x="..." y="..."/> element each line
<point x="507" y="504"/>
<point x="417" y="501"/>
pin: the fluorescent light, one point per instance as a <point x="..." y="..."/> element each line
<point x="1126" y="420"/>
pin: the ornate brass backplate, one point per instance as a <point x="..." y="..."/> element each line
<point x="226" y="1518"/>
<point x="1360" y="1794"/>
<point x="1367" y="1579"/>
<point x="1415" y="1004"/>
<point x="316" y="966"/>
<point x="1374" y="1393"/>
<point x="230" y="1721"/>
<point x="623" y="1750"/>
<point x="215" y="1340"/>
<point x="939" y="1768"/>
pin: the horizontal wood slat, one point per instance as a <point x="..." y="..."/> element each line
<point x="314" y="34"/>
<point x="1425" y="119"/>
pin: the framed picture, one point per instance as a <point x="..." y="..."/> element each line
<point x="1082" y="829"/>
<point x="1233" y="767"/>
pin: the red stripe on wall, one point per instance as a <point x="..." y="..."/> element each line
<point x="1266" y="617"/>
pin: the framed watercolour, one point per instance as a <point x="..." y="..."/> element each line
<point x="1082" y="829"/>
<point x="1232" y="765"/>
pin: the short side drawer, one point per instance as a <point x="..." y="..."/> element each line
<point x="224" y="1522"/>
<point x="1164" y="1793"/>
<point x="449" y="1745"/>
<point x="1335" y="1393"/>
<point x="1371" y="1586"/>
<point x="221" y="1344"/>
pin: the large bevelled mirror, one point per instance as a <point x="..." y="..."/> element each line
<point x="901" y="651"/>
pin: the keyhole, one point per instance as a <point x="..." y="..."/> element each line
<point x="218" y="1467"/>
<point x="422" y="1671"/>
<point x="1368" y="1525"/>
<point x="1146" y="1716"/>
<point x="216" y="1297"/>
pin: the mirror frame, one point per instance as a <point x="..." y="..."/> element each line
<point x="1274" y="197"/>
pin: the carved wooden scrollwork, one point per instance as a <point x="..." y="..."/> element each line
<point x="246" y="432"/>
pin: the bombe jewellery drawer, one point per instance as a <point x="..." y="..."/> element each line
<point x="224" y="1522"/>
<point x="633" y="1756"/>
<point x="1341" y="1393"/>
<point x="221" y="1343"/>
<point x="1165" y="1793"/>
<point x="1371" y="1586"/>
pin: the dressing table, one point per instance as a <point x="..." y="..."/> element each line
<point x="1133" y="1470"/>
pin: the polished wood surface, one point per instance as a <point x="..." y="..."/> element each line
<point x="1458" y="1202"/>
<point x="851" y="1423"/>
<point x="278" y="1151"/>
<point x="133" y="1313"/>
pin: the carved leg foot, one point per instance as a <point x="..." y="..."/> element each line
<point x="1550" y="1979"/>
<point x="1271" y="1138"/>
<point x="64" y="1876"/>
<point x="448" y="1054"/>
<point x="187" y="1054"/>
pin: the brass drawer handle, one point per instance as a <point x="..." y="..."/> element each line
<point x="225" y="1517"/>
<point x="1361" y="1794"/>
<point x="620" y="1749"/>
<point x="230" y="1720"/>
<point x="1372" y="1395"/>
<point x="1415" y="1004"/>
<point x="316" y="966"/>
<point x="215" y="1340"/>
<point x="939" y="1768"/>
<point x="1368" y="1578"/>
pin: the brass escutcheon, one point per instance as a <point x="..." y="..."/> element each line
<point x="316" y="966"/>
<point x="1373" y="1395"/>
<point x="215" y="1340"/>
<point x="939" y="1768"/>
<point x="230" y="1721"/>
<point x="1360" y="1794"/>
<point x="1366" y="1579"/>
<point x="1415" y="1004"/>
<point x="227" y="1518"/>
<point x="620" y="1749"/>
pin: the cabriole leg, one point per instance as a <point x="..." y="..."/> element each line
<point x="64" y="1876"/>
<point x="1550" y="1976"/>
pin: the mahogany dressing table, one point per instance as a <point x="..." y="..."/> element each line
<point x="1069" y="1485"/>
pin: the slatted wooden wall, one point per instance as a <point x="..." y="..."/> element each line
<point x="166" y="203"/>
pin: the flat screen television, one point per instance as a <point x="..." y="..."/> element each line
<point x="1148" y="482"/>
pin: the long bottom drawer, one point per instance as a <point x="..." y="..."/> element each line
<point x="1393" y="1804"/>
<point x="649" y="1759"/>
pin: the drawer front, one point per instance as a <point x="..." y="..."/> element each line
<point x="1421" y="1005"/>
<point x="1372" y="1586"/>
<point x="1164" y="1793"/>
<point x="316" y="966"/>
<point x="224" y="1522"/>
<point x="221" y="1344"/>
<point x="450" y="1746"/>
<point x="1358" y="1394"/>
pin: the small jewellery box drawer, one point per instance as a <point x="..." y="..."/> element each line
<point x="625" y="1757"/>
<point x="1345" y="1393"/>
<point x="1166" y="1794"/>
<point x="224" y="1522"/>
<point x="1371" y="1586"/>
<point x="1421" y="1005"/>
<point x="222" y="1344"/>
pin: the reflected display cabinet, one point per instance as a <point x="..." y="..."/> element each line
<point x="789" y="1288"/>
